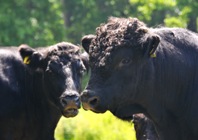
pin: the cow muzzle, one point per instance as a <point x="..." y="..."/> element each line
<point x="90" y="101"/>
<point x="71" y="104"/>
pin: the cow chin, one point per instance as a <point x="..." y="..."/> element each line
<point x="97" y="109"/>
<point x="127" y="111"/>
<point x="68" y="113"/>
<point x="126" y="117"/>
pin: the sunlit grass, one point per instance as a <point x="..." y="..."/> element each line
<point x="90" y="126"/>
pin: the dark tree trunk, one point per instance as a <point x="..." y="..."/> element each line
<point x="157" y="17"/>
<point x="67" y="12"/>
<point x="192" y="23"/>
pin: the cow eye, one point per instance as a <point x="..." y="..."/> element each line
<point x="54" y="67"/>
<point x="124" y="62"/>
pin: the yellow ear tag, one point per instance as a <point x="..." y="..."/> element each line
<point x="153" y="55"/>
<point x="26" y="60"/>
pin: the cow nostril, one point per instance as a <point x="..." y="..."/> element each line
<point x="64" y="101"/>
<point x="70" y="99"/>
<point x="93" y="101"/>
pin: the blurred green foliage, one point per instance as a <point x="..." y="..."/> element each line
<point x="42" y="23"/>
<point x="90" y="126"/>
<point x="33" y="22"/>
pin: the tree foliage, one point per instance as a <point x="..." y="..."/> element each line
<point x="41" y="23"/>
<point x="34" y="22"/>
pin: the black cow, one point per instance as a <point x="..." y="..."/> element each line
<point x="37" y="86"/>
<point x="136" y="69"/>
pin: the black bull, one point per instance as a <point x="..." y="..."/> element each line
<point x="37" y="86"/>
<point x="136" y="69"/>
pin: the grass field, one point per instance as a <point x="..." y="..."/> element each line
<point x="90" y="126"/>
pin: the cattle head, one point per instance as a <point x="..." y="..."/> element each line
<point x="61" y="67"/>
<point x="119" y="54"/>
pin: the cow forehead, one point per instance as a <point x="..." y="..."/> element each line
<point x="118" y="31"/>
<point x="115" y="34"/>
<point x="63" y="50"/>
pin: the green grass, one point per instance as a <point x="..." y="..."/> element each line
<point x="90" y="126"/>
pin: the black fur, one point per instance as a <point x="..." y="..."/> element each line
<point x="37" y="86"/>
<point x="137" y="69"/>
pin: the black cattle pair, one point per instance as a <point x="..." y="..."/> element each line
<point x="134" y="69"/>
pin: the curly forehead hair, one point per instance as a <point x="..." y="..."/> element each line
<point x="63" y="48"/>
<point x="117" y="32"/>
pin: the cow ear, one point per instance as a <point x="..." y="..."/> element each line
<point x="30" y="57"/>
<point x="86" y="41"/>
<point x="151" y="45"/>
